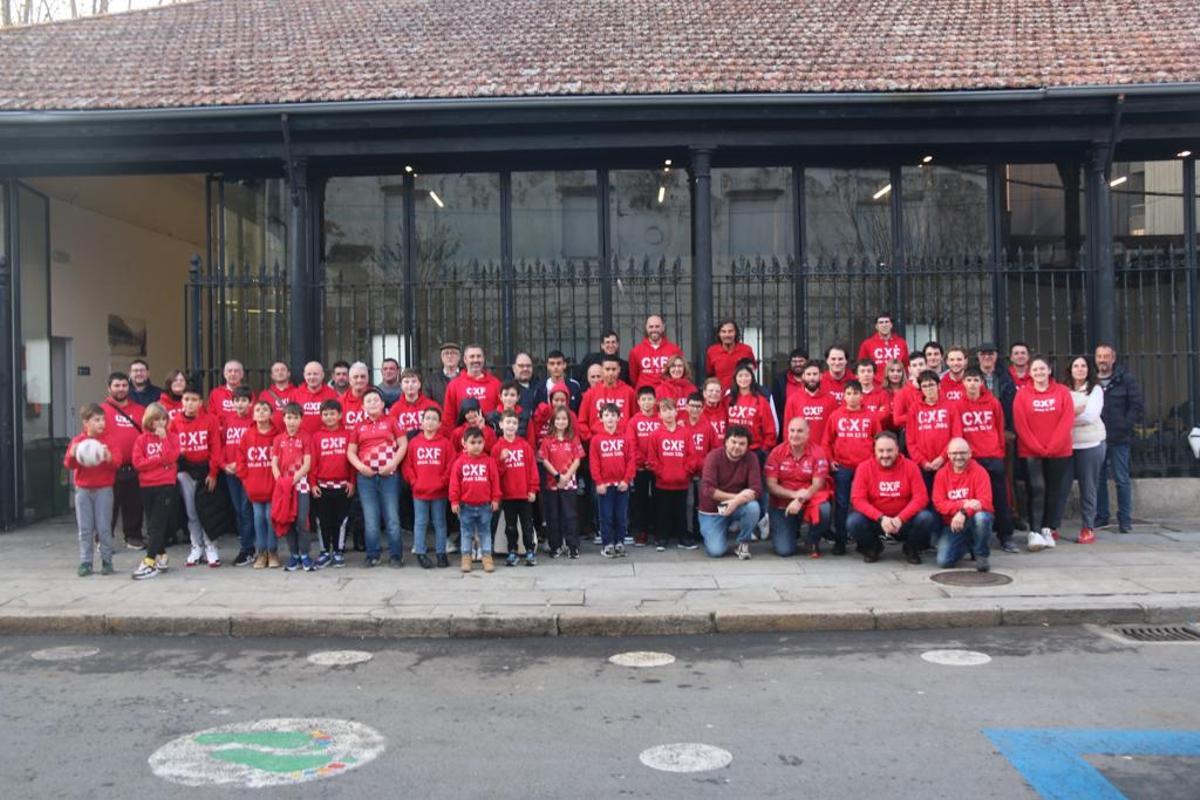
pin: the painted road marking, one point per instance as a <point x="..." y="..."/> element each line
<point x="339" y="658"/>
<point x="956" y="658"/>
<point x="269" y="752"/>
<point x="642" y="658"/>
<point x="65" y="653"/>
<point x="685" y="757"/>
<point x="1051" y="759"/>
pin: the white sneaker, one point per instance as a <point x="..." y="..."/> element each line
<point x="211" y="554"/>
<point x="764" y="529"/>
<point x="145" y="569"/>
<point x="1048" y="538"/>
<point x="162" y="563"/>
<point x="1035" y="542"/>
<point x="743" y="551"/>
<point x="195" y="555"/>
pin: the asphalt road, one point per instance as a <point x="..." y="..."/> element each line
<point x="814" y="716"/>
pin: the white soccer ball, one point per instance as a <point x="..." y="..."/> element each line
<point x="89" y="452"/>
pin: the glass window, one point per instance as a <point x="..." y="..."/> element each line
<point x="1044" y="215"/>
<point x="555" y="216"/>
<point x="255" y="225"/>
<point x="364" y="227"/>
<point x="945" y="212"/>
<point x="42" y="457"/>
<point x="848" y="214"/>
<point x="1147" y="206"/>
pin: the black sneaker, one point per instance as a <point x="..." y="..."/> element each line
<point x="1008" y="546"/>
<point x="982" y="565"/>
<point x="574" y="552"/>
<point x="396" y="562"/>
<point x="872" y="555"/>
<point x="442" y="561"/>
<point x="839" y="548"/>
<point x="911" y="555"/>
<point x="660" y="546"/>
<point x="372" y="561"/>
<point x="424" y="561"/>
<point x="244" y="557"/>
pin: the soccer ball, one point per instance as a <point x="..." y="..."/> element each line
<point x="89" y="452"/>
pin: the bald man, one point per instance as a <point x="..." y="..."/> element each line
<point x="220" y="400"/>
<point x="962" y="495"/>
<point x="311" y="394"/>
<point x="649" y="357"/>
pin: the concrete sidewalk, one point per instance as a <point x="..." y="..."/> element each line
<point x="1152" y="575"/>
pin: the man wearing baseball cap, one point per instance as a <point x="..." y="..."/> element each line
<point x="435" y="387"/>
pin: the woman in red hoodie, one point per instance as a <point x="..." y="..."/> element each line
<point x="1043" y="414"/>
<point x="676" y="383"/>
<point x="750" y="406"/>
<point x="155" y="454"/>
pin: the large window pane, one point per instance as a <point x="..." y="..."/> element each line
<point x="847" y="214"/>
<point x="1147" y="206"/>
<point x="945" y="212"/>
<point x="650" y="213"/>
<point x="41" y="455"/>
<point x="1044" y="214"/>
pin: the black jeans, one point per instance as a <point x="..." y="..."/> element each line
<point x="1046" y="479"/>
<point x="127" y="502"/>
<point x="159" y="505"/>
<point x="670" y="506"/>
<point x="517" y="511"/>
<point x="561" y="518"/>
<point x="641" y="505"/>
<point x="331" y="510"/>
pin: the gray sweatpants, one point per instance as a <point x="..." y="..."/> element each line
<point x="93" y="512"/>
<point x="187" y="488"/>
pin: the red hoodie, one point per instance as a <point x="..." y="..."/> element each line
<point x="619" y="394"/>
<point x="427" y="466"/>
<point x="647" y="362"/>
<point x="952" y="390"/>
<point x="798" y="472"/>
<point x="122" y="428"/>
<point x="199" y="440"/>
<point x="220" y="404"/>
<point x="1020" y="382"/>
<point x="700" y="435"/>
<point x="311" y="402"/>
<point x="474" y="481"/>
<point x="289" y="452"/>
<point x="156" y="459"/>
<point x="1043" y="421"/>
<point x="835" y="387"/>
<point x="982" y="424"/>
<point x="816" y="408"/>
<point x="561" y="453"/>
<point x="103" y="474"/>
<point x="753" y="411"/>
<point x="673" y="459"/>
<point x="642" y="428"/>
<point x="485" y="389"/>
<point x="879" y="403"/>
<point x="517" y="466"/>
<point x="676" y="389"/>
<point x="254" y="464"/>
<point x="173" y="407"/>
<point x="612" y="458"/>
<point x="352" y="411"/>
<point x="895" y="492"/>
<point x="850" y="436"/>
<point x="715" y="418"/>
<point x="489" y="437"/>
<point x="408" y="415"/>
<point x="235" y="428"/>
<point x="539" y="424"/>
<point x="930" y="428"/>
<point x="904" y="399"/>
<point x="881" y="351"/>
<point x="721" y="364"/>
<point x="951" y="489"/>
<point x="330" y="465"/>
<point x="276" y="397"/>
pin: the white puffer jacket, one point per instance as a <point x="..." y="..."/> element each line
<point x="1088" y="430"/>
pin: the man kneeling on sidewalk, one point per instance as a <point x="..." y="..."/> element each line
<point x="729" y="488"/>
<point x="962" y="494"/>
<point x="888" y="502"/>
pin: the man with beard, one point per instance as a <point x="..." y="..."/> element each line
<point x="389" y="381"/>
<point x="811" y="403"/>
<point x="648" y="358"/>
<point x="834" y="380"/>
<point x="141" y="390"/>
<point x="123" y="425"/>
<point x="341" y="378"/>
<point x="610" y="346"/>
<point x="789" y="382"/>
<point x="476" y="382"/>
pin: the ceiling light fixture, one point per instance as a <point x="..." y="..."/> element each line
<point x="1117" y="181"/>
<point x="1183" y="154"/>
<point x="433" y="196"/>
<point x="662" y="194"/>
<point x="926" y="159"/>
<point x="882" y="193"/>
<point x="407" y="168"/>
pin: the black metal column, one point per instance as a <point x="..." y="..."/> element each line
<point x="194" y="322"/>
<point x="799" y="273"/>
<point x="1102" y="315"/>
<point x="8" y="367"/>
<point x="411" y="331"/>
<point x="896" y="207"/>
<point x="299" y="302"/>
<point x="316" y="262"/>
<point x="506" y="267"/>
<point x="604" y="229"/>
<point x="702" y="266"/>
<point x="1191" y="263"/>
<point x="995" y="215"/>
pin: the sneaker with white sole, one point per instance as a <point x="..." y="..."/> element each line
<point x="620" y="548"/>
<point x="743" y="551"/>
<point x="162" y="562"/>
<point x="597" y="539"/>
<point x="1035" y="542"/>
<point x="609" y="551"/>
<point x="1048" y="538"/>
<point x="212" y="556"/>
<point x="145" y="569"/>
<point x="194" y="556"/>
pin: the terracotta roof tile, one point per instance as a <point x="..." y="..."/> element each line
<point x="230" y="52"/>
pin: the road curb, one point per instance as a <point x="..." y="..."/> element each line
<point x="585" y="623"/>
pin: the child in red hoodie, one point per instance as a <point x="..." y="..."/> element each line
<point x="849" y="441"/>
<point x="673" y="462"/>
<point x="94" y="491"/>
<point x="517" y="466"/>
<point x="641" y="427"/>
<point x="155" y="454"/>
<point x="200" y="454"/>
<point x="234" y="427"/>
<point x="475" y="496"/>
<point x="612" y="458"/>
<point x="427" y="468"/>
<point x="561" y="454"/>
<point x="291" y="462"/>
<point x="254" y="470"/>
<point x="332" y="484"/>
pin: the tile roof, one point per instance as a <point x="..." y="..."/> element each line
<point x="233" y="52"/>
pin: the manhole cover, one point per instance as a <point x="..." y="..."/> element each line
<point x="965" y="577"/>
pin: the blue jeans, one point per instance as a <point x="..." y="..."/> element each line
<point x="264" y="531"/>
<point x="614" y="515"/>
<point x="843" y="479"/>
<point x="974" y="537"/>
<point x="380" y="495"/>
<point x="241" y="507"/>
<point x="423" y="512"/>
<point x="915" y="533"/>
<point x="1116" y="464"/>
<point x="476" y="521"/>
<point x="715" y="528"/>
<point x="785" y="529"/>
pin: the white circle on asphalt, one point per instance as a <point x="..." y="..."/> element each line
<point x="685" y="757"/>
<point x="67" y="653"/>
<point x="956" y="658"/>
<point x="269" y="752"/>
<point x="642" y="658"/>
<point x="339" y="658"/>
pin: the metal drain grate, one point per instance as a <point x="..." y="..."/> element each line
<point x="1158" y="633"/>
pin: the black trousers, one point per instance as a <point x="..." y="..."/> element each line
<point x="641" y="505"/>
<point x="332" y="509"/>
<point x="517" y="511"/>
<point x="562" y="521"/>
<point x="670" y="506"/>
<point x="127" y="503"/>
<point x="1046" y="482"/>
<point x="159" y="505"/>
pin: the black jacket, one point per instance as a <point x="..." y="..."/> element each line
<point x="596" y="358"/>
<point x="1123" y="406"/>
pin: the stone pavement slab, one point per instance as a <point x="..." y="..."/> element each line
<point x="1150" y="576"/>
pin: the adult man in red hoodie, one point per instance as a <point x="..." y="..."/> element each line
<point x="837" y="374"/>
<point x="889" y="502"/>
<point x="311" y="394"/>
<point x="475" y="381"/>
<point x="956" y="365"/>
<point x="220" y="399"/>
<point x="123" y="425"/>
<point x="981" y="420"/>
<point x="883" y="346"/>
<point x="648" y="358"/>
<point x="610" y="390"/>
<point x="810" y="402"/>
<point x="727" y="352"/>
<point x="962" y="495"/>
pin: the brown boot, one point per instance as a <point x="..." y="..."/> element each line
<point x="260" y="561"/>
<point x="466" y="561"/>
<point x="273" y="560"/>
<point x="488" y="564"/>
